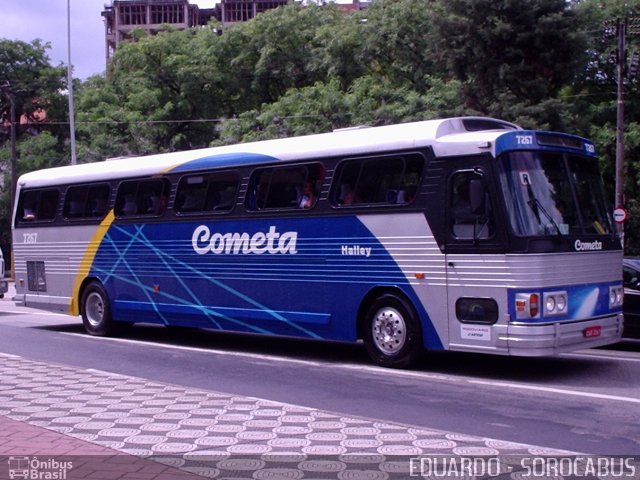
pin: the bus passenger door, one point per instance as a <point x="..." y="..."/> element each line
<point x="474" y="241"/>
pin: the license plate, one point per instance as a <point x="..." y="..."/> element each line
<point x="591" y="332"/>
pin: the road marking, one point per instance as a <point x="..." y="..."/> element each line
<point x="395" y="373"/>
<point x="606" y="357"/>
<point x="9" y="355"/>
<point x="373" y="369"/>
<point x="199" y="349"/>
<point x="555" y="390"/>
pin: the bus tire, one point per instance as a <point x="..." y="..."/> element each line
<point x="392" y="334"/>
<point x="96" y="310"/>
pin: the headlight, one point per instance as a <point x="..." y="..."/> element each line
<point x="555" y="303"/>
<point x="551" y="304"/>
<point x="616" y="296"/>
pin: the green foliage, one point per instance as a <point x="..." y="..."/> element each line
<point x="399" y="42"/>
<point x="509" y="50"/>
<point x="156" y="86"/>
<point x="307" y="69"/>
<point x="33" y="86"/>
<point x="27" y="76"/>
<point x="593" y="103"/>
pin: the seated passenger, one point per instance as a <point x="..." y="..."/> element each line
<point x="307" y="200"/>
<point x="28" y="214"/>
<point x="130" y="207"/>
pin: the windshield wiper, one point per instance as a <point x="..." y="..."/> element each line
<point x="537" y="207"/>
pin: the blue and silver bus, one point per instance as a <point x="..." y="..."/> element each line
<point x="466" y="234"/>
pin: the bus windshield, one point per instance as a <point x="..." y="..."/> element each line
<point x="553" y="194"/>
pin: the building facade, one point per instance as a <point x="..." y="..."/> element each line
<point x="124" y="16"/>
<point x="234" y="11"/>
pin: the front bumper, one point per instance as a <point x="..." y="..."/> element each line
<point x="553" y="338"/>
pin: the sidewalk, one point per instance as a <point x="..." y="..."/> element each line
<point x="78" y="459"/>
<point x="84" y="424"/>
<point x="111" y="426"/>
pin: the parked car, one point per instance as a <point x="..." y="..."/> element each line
<point x="631" y="306"/>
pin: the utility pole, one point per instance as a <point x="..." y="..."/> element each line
<point x="623" y="27"/>
<point x="72" y="119"/>
<point x="620" y="60"/>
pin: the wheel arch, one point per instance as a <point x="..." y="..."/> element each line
<point x="83" y="285"/>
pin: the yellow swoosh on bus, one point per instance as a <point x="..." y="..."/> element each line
<point x="87" y="261"/>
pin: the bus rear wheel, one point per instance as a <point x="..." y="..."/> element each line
<point x="96" y="310"/>
<point x="392" y="332"/>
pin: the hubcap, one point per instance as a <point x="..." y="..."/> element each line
<point x="94" y="309"/>
<point x="389" y="331"/>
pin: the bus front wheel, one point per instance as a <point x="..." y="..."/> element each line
<point x="96" y="310"/>
<point x="392" y="332"/>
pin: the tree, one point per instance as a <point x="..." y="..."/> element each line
<point x="397" y="44"/>
<point x="27" y="76"/>
<point x="163" y="91"/>
<point x="276" y="51"/>
<point x="594" y="104"/>
<point x="509" y="52"/>
<point x="33" y="86"/>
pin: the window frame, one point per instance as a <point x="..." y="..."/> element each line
<point x="314" y="173"/>
<point x="209" y="178"/>
<point x="37" y="217"/>
<point x="152" y="211"/>
<point x="88" y="197"/>
<point x="398" y="197"/>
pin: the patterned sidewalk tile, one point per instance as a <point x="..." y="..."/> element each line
<point x="215" y="434"/>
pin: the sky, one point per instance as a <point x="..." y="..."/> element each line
<point x="27" y="20"/>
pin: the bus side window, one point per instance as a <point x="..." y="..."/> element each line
<point x="29" y="206"/>
<point x="470" y="207"/>
<point x="86" y="201"/>
<point x="48" y="205"/>
<point x="98" y="204"/>
<point x="153" y="196"/>
<point x="294" y="187"/>
<point x="38" y="205"/>
<point x="386" y="180"/>
<point x="126" y="199"/>
<point x="142" y="197"/>
<point x="222" y="191"/>
<point x="205" y="193"/>
<point x="75" y="201"/>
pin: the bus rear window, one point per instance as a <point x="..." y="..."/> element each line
<point x="37" y="205"/>
<point x="206" y="193"/>
<point x="386" y="180"/>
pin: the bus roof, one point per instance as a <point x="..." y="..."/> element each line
<point x="461" y="135"/>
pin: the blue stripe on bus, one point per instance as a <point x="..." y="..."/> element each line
<point x="300" y="285"/>
<point x="224" y="160"/>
